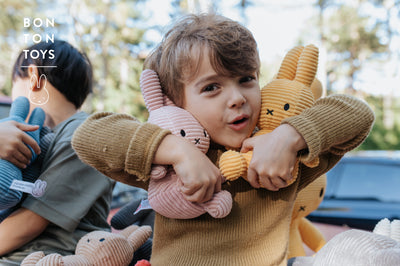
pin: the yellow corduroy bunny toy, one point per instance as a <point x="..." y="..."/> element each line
<point x="287" y="95"/>
<point x="301" y="229"/>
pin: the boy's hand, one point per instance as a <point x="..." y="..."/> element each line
<point x="274" y="157"/>
<point x="13" y="141"/>
<point x="200" y="178"/>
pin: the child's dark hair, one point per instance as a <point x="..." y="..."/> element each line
<point x="69" y="70"/>
<point x="231" y="47"/>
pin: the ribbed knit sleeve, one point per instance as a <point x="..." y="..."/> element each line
<point x="335" y="124"/>
<point x="118" y="145"/>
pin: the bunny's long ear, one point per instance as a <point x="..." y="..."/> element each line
<point x="20" y="107"/>
<point x="289" y="64"/>
<point x="168" y="101"/>
<point x="307" y="65"/>
<point x="41" y="78"/>
<point x="151" y="90"/>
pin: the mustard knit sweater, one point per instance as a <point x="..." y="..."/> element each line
<point x="256" y="231"/>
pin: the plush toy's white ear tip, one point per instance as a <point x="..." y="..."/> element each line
<point x="382" y="227"/>
<point x="395" y="230"/>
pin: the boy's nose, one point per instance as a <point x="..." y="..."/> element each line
<point x="236" y="99"/>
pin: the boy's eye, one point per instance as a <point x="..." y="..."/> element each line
<point x="246" y="79"/>
<point x="211" y="87"/>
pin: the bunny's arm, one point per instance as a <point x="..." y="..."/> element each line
<point x="118" y="146"/>
<point x="310" y="235"/>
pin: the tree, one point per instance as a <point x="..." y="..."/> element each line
<point x="357" y="39"/>
<point x="351" y="43"/>
<point x="12" y="14"/>
<point x="114" y="41"/>
<point x="110" y="32"/>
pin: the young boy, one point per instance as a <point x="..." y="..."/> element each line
<point x="209" y="65"/>
<point x="77" y="197"/>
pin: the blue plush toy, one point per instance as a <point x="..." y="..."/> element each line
<point x="9" y="172"/>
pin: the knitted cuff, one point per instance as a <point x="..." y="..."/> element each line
<point x="310" y="134"/>
<point x="337" y="123"/>
<point x="142" y="148"/>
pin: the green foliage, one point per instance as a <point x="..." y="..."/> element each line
<point x="383" y="137"/>
<point x="351" y="42"/>
<point x="110" y="32"/>
<point x="114" y="41"/>
<point x="11" y="28"/>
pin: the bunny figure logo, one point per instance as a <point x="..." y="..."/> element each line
<point x="38" y="94"/>
<point x="39" y="188"/>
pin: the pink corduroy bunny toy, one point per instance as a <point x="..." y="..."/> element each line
<point x="97" y="248"/>
<point x="163" y="193"/>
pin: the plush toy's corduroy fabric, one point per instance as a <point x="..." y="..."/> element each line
<point x="9" y="172"/>
<point x="33" y="171"/>
<point x="287" y="95"/>
<point x="164" y="194"/>
<point x="357" y="247"/>
<point x="97" y="248"/>
<point x="302" y="231"/>
<point x="126" y="215"/>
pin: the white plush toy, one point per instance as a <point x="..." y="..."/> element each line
<point x="357" y="247"/>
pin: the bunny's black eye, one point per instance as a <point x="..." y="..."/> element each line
<point x="286" y="107"/>
<point x="102" y="239"/>
<point x="183" y="133"/>
<point x="205" y="133"/>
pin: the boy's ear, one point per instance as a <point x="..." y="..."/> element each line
<point x="34" y="77"/>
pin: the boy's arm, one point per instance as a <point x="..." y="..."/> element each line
<point x="118" y="146"/>
<point x="335" y="124"/>
<point x="16" y="232"/>
<point x="330" y="128"/>
<point x="199" y="177"/>
<point x="14" y="141"/>
<point x="124" y="149"/>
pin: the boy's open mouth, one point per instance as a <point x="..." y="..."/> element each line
<point x="239" y="121"/>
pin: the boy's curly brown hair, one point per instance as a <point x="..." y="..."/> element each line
<point x="232" y="51"/>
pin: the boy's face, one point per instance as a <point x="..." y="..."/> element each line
<point x="227" y="107"/>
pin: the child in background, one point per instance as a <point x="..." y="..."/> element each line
<point x="209" y="65"/>
<point x="77" y="197"/>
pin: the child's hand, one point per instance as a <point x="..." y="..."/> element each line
<point x="199" y="176"/>
<point x="274" y="157"/>
<point x="14" y="141"/>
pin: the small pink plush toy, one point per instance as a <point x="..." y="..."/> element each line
<point x="163" y="192"/>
